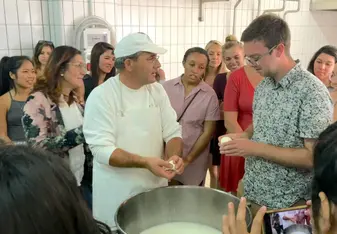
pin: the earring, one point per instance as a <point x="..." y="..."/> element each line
<point x="62" y="75"/>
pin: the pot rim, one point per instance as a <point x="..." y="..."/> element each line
<point x="176" y="187"/>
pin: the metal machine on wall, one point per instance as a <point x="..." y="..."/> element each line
<point x="91" y="30"/>
<point x="90" y="37"/>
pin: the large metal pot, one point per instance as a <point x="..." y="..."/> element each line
<point x="298" y="229"/>
<point x="174" y="204"/>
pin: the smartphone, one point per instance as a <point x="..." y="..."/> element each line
<point x="294" y="220"/>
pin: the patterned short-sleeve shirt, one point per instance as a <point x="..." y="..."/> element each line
<point x="285" y="113"/>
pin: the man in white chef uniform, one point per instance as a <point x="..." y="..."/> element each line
<point x="127" y="120"/>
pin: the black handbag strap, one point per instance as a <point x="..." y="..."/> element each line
<point x="182" y="114"/>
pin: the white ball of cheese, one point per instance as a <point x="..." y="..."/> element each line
<point x="225" y="139"/>
<point x="173" y="168"/>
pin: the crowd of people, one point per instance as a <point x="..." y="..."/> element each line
<point x="77" y="143"/>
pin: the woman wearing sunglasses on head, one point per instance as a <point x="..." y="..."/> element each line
<point x="42" y="52"/>
<point x="52" y="119"/>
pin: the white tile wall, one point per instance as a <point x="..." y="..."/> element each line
<point x="171" y="23"/>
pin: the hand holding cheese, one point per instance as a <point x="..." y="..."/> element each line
<point x="158" y="167"/>
<point x="222" y="142"/>
<point x="177" y="165"/>
<point x="225" y="139"/>
<point x="173" y="168"/>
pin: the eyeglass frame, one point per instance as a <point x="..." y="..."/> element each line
<point x="79" y="65"/>
<point x="255" y="62"/>
<point x="154" y="59"/>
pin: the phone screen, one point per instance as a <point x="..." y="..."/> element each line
<point x="292" y="221"/>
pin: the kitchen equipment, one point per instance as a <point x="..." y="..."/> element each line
<point x="298" y="229"/>
<point x="175" y="204"/>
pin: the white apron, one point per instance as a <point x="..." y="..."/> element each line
<point x="139" y="131"/>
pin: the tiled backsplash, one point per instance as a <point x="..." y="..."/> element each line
<point x="171" y="23"/>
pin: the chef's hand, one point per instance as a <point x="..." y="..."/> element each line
<point x="157" y="166"/>
<point x="238" y="225"/>
<point x="178" y="161"/>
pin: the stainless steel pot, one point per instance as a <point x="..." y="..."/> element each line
<point x="175" y="204"/>
<point x="298" y="229"/>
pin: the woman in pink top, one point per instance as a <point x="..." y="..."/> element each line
<point x="238" y="102"/>
<point x="197" y="108"/>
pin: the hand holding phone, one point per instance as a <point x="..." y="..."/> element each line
<point x="294" y="220"/>
<point x="237" y="224"/>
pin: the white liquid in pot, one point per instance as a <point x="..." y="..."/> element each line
<point x="181" y="228"/>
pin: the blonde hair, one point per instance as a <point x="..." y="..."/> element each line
<point x="230" y="37"/>
<point x="213" y="42"/>
<point x="222" y="66"/>
<point x="230" y="41"/>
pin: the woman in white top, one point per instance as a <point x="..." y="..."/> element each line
<point x="52" y="118"/>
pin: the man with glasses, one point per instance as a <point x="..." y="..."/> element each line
<point x="127" y="120"/>
<point x="291" y="108"/>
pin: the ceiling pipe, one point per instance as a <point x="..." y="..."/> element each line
<point x="276" y="9"/>
<point x="234" y="15"/>
<point x="258" y="8"/>
<point x="293" y="11"/>
<point x="201" y="2"/>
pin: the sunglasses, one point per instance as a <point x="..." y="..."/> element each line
<point x="46" y="43"/>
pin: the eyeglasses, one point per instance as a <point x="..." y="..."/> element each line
<point x="79" y="66"/>
<point x="153" y="59"/>
<point x="254" y="61"/>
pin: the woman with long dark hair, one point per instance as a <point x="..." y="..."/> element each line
<point x="42" y="52"/>
<point x="102" y="66"/>
<point x="17" y="78"/>
<point x="322" y="64"/>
